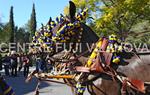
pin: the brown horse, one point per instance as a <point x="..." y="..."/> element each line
<point x="137" y="68"/>
<point x="88" y="36"/>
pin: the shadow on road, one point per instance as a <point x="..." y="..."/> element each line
<point x="21" y="87"/>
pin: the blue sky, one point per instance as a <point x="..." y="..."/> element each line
<point x="23" y="9"/>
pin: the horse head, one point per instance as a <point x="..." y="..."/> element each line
<point x="65" y="29"/>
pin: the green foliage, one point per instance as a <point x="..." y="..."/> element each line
<point x="11" y="26"/>
<point x="116" y="16"/>
<point x="1" y="27"/>
<point x="22" y="35"/>
<point x="140" y="33"/>
<point x="120" y="16"/>
<point x="5" y="34"/>
<point x="32" y="22"/>
<point x="11" y="33"/>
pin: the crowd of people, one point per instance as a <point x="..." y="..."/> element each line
<point x="13" y="63"/>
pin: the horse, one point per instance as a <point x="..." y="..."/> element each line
<point x="86" y="37"/>
<point x="66" y="29"/>
<point x="136" y="63"/>
<point x="137" y="68"/>
<point x="70" y="26"/>
<point x="133" y="66"/>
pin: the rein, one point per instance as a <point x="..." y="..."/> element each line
<point x="70" y="60"/>
<point x="56" y="82"/>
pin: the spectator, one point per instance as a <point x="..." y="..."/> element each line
<point x="26" y="65"/>
<point x="14" y="64"/>
<point x="6" y="63"/>
<point x="38" y="64"/>
<point x="20" y="61"/>
<point x="44" y="64"/>
<point x="0" y="62"/>
<point x="49" y="63"/>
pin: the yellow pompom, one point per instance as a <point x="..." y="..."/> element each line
<point x="114" y="39"/>
<point x="112" y="50"/>
<point x="44" y="45"/>
<point x="108" y="50"/>
<point x="46" y="34"/>
<point x="52" y="23"/>
<point x="40" y="40"/>
<point x="120" y="48"/>
<point x="36" y="33"/>
<point x="111" y="38"/>
<point x="52" y="26"/>
<point x="116" y="60"/>
<point x="61" y="41"/>
<point x="85" y="10"/>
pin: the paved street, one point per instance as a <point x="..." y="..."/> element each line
<point x="22" y="88"/>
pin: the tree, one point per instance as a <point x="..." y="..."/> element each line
<point x="32" y="22"/>
<point x="1" y="27"/>
<point x="22" y="35"/>
<point x="5" y="34"/>
<point x="119" y="16"/>
<point x="11" y="26"/>
<point x="115" y="16"/>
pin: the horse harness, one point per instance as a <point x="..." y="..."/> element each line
<point x="102" y="64"/>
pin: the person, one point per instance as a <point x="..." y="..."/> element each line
<point x="49" y="64"/>
<point x="14" y="64"/>
<point x="1" y="62"/>
<point x="44" y="64"/>
<point x="20" y="61"/>
<point x="6" y="63"/>
<point x="38" y="64"/>
<point x="26" y="65"/>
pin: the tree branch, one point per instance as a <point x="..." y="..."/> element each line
<point x="105" y="3"/>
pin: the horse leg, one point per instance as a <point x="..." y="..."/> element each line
<point x="89" y="88"/>
<point x="73" y="91"/>
<point x="93" y="86"/>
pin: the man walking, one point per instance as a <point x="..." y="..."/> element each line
<point x="6" y="63"/>
<point x="0" y="62"/>
<point x="14" y="64"/>
<point x="26" y="65"/>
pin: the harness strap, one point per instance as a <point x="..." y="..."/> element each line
<point x="124" y="87"/>
<point x="56" y="82"/>
<point x="70" y="60"/>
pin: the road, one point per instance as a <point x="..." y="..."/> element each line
<point x="22" y="88"/>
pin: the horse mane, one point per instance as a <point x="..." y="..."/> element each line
<point x="88" y="36"/>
